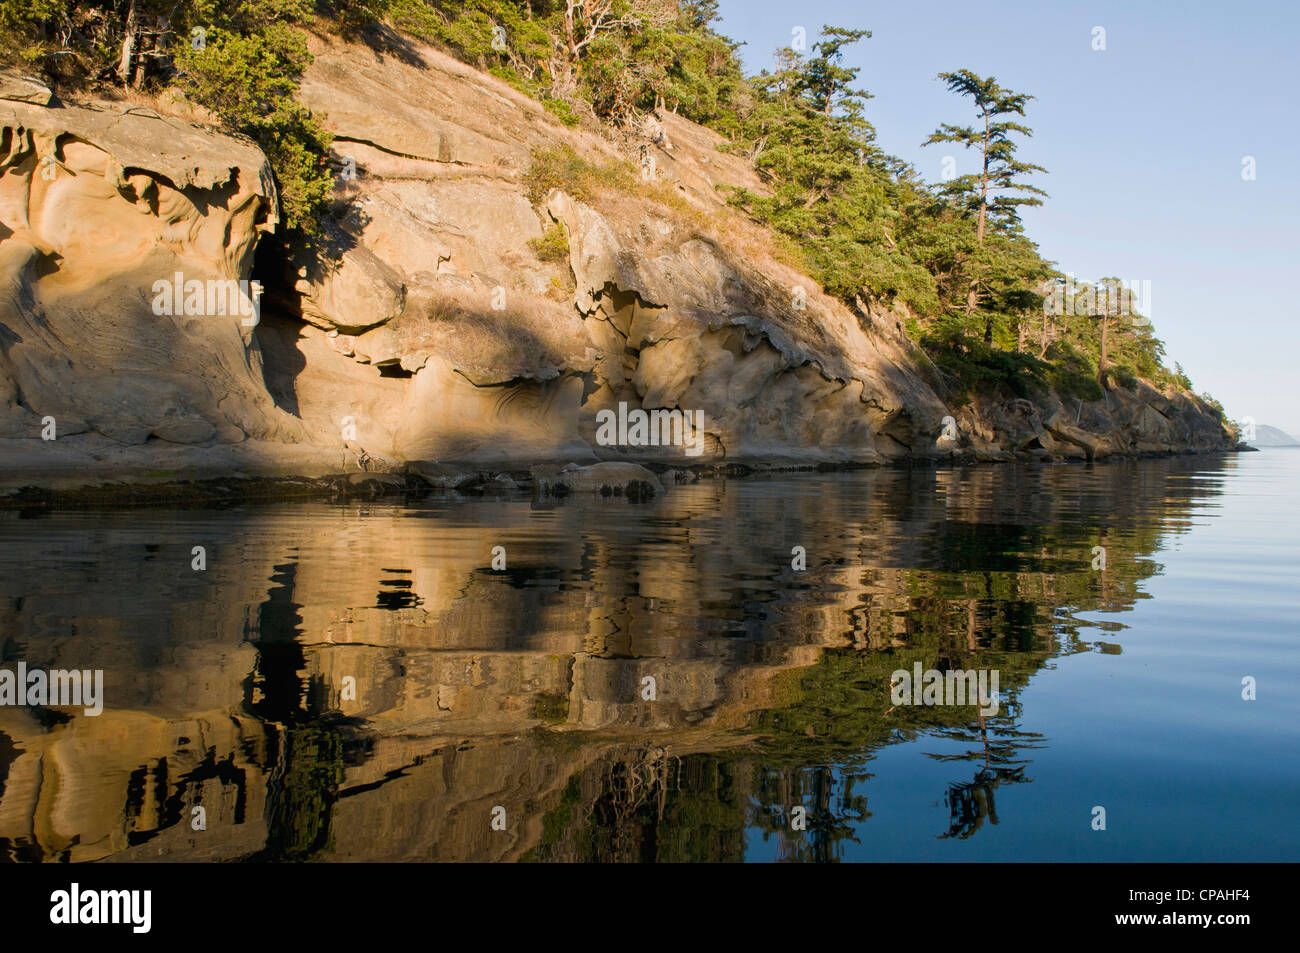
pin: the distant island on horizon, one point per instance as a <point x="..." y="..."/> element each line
<point x="1266" y="436"/>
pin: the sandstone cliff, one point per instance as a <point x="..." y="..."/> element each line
<point x="424" y="327"/>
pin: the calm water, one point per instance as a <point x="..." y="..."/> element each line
<point x="356" y="682"/>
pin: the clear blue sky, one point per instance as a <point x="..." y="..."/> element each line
<point x="1143" y="143"/>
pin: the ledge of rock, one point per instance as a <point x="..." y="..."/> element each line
<point x="428" y="329"/>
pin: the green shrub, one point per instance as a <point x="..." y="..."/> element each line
<point x="976" y="365"/>
<point x="353" y="16"/>
<point x="562" y="110"/>
<point x="1073" y="373"/>
<point x="1125" y="376"/>
<point x="1214" y="405"/>
<point x="250" y="82"/>
<point x="553" y="244"/>
<point x="22" y="27"/>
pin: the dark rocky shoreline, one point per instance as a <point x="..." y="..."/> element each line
<point x="610" y="480"/>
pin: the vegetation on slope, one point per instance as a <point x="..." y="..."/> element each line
<point x="988" y="309"/>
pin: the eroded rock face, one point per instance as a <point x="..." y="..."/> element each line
<point x="347" y="287"/>
<point x="647" y="311"/>
<point x="644" y="311"/>
<point x="110" y="218"/>
<point x="781" y="374"/>
<point x="427" y="326"/>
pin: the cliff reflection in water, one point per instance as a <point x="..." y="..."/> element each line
<point x="226" y="688"/>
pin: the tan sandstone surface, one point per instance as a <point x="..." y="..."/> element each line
<point x="425" y="331"/>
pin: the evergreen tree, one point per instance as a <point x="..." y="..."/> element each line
<point x="954" y="258"/>
<point x="985" y="193"/>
